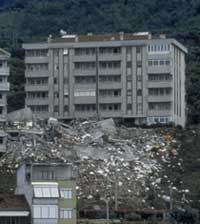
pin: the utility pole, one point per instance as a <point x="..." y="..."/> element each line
<point x="116" y="192"/>
<point x="106" y="200"/>
<point x="107" y="211"/>
<point x="171" y="198"/>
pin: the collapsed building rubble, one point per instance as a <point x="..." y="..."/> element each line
<point x="122" y="164"/>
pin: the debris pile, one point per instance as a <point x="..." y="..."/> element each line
<point x="124" y="164"/>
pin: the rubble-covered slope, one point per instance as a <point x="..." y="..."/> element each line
<point x="134" y="167"/>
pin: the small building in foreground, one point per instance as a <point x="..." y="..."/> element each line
<point x="14" y="210"/>
<point x="50" y="189"/>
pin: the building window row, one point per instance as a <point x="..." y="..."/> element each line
<point x="37" y="67"/>
<point x="45" y="190"/>
<point x="65" y="109"/>
<point x="156" y="62"/>
<point x="39" y="108"/>
<point x="37" y="81"/>
<point x="161" y="120"/>
<point x="110" y="64"/>
<point x="66" y="213"/>
<point x="45" y="211"/>
<point x="110" y="78"/>
<point x="160" y="106"/>
<point x="159" y="77"/>
<point x="85" y="79"/>
<point x="51" y="212"/>
<point x="37" y="95"/>
<point x="84" y="65"/>
<point x="85" y="93"/>
<point x="85" y="107"/>
<point x="36" y="53"/>
<point x="159" y="48"/>
<point x="110" y="92"/>
<point x="110" y="50"/>
<point x="84" y="51"/>
<point x="66" y="193"/>
<point x="110" y="107"/>
<point x="160" y="91"/>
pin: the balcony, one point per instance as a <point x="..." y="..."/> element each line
<point x="32" y="60"/>
<point x="85" y="86"/>
<point x="110" y="71"/>
<point x="84" y="58"/>
<point x="110" y="99"/>
<point x="85" y="100"/>
<point x="159" y="113"/>
<point x="109" y="57"/>
<point x="84" y="72"/>
<point x="35" y="74"/>
<point x="4" y="86"/>
<point x="108" y="114"/>
<point x="37" y="101"/>
<point x="162" y="84"/>
<point x="4" y="71"/>
<point x="32" y="88"/>
<point x="159" y="69"/>
<point x="85" y="114"/>
<point x="160" y="98"/>
<point x="110" y="85"/>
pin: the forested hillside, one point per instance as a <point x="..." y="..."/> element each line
<point x="25" y="20"/>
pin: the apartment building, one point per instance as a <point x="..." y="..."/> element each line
<point x="4" y="88"/>
<point x="50" y="190"/>
<point x="130" y="76"/>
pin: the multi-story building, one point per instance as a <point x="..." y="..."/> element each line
<point x="4" y="88"/>
<point x="130" y="76"/>
<point x="50" y="190"/>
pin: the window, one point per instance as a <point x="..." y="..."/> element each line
<point x="139" y="92"/>
<point x="66" y="193"/>
<point x="56" y="108"/>
<point x="1" y="96"/>
<point x="66" y="108"/>
<point x="129" y="106"/>
<point x="55" y="80"/>
<point x="156" y="62"/>
<point x="45" y="211"/>
<point x="158" y="48"/>
<point x="128" y="64"/>
<point x="85" y="107"/>
<point x="138" y="50"/>
<point x="1" y="140"/>
<point x="66" y="213"/>
<point x="47" y="175"/>
<point x="45" y="190"/>
<point x="85" y="93"/>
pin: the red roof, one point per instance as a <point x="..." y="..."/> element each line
<point x="14" y="202"/>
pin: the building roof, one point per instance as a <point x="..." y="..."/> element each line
<point x="95" y="39"/>
<point x="13" y="203"/>
<point x="103" y="37"/>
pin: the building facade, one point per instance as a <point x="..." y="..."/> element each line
<point x="4" y="88"/>
<point x="50" y="189"/>
<point x="120" y="75"/>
